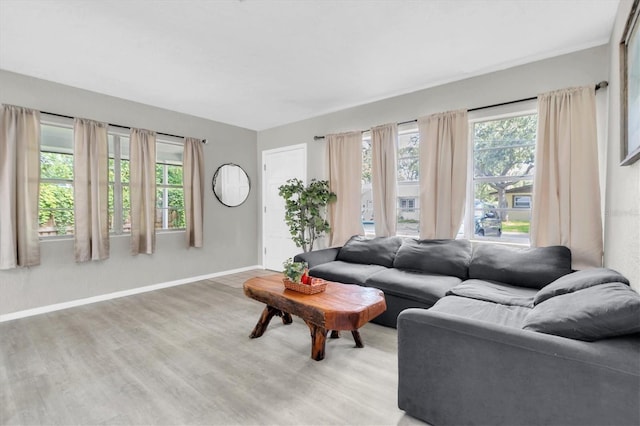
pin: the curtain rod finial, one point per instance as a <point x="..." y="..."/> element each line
<point x="204" y="141"/>
<point x="603" y="84"/>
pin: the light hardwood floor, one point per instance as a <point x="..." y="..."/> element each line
<point x="182" y="355"/>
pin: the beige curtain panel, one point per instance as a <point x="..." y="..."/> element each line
<point x="19" y="185"/>
<point x="90" y="190"/>
<point x="384" y="146"/>
<point x="566" y="189"/>
<point x="193" y="181"/>
<point x="142" y="179"/>
<point x="443" y="173"/>
<point x="345" y="180"/>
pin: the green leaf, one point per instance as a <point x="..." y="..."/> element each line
<point x="305" y="208"/>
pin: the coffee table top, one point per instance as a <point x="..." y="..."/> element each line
<point x="339" y="307"/>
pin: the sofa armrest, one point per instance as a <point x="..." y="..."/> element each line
<point x="318" y="257"/>
<point x="454" y="370"/>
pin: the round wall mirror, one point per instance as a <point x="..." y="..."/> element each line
<point x="231" y="185"/>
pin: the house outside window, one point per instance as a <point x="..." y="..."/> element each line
<point x="499" y="205"/>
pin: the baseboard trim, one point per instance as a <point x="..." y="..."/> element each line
<point x="118" y="294"/>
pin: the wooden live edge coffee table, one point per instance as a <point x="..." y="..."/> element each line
<point x="339" y="307"/>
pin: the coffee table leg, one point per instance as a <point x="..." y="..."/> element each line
<point x="268" y="313"/>
<point x="357" y="338"/>
<point x="335" y="334"/>
<point x="318" y="340"/>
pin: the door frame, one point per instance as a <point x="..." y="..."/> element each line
<point x="265" y="153"/>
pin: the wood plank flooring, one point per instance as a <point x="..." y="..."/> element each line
<point x="182" y="356"/>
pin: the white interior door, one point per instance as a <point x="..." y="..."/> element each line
<point x="279" y="165"/>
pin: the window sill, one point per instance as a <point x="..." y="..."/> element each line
<point x="504" y="243"/>
<point x="170" y="231"/>
<point x="54" y="238"/>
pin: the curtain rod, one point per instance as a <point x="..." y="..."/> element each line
<point x="600" y="85"/>
<point x="204" y="141"/>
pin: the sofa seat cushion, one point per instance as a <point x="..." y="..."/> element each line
<point x="443" y="257"/>
<point x="523" y="267"/>
<point x="493" y="291"/>
<point x="416" y="286"/>
<point x="480" y="310"/>
<point x="593" y="313"/>
<point x="370" y="251"/>
<point x="345" y="272"/>
<point x="579" y="280"/>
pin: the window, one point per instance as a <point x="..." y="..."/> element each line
<point x="408" y="214"/>
<point x="408" y="189"/>
<point x="55" y="201"/>
<point x="522" y="201"/>
<point x="503" y="162"/>
<point x="119" y="195"/>
<point x="500" y="183"/>
<point x="169" y="190"/>
<point x="366" y="194"/>
<point x="407" y="204"/>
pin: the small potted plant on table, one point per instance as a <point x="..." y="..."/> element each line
<point x="296" y="278"/>
<point x="294" y="271"/>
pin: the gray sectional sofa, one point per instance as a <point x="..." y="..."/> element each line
<point x="492" y="334"/>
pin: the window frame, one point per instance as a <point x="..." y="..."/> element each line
<point x="403" y="129"/>
<point x="165" y="187"/>
<point x="118" y="185"/>
<point x="408" y="129"/>
<point x="489" y="114"/>
<point x="66" y="123"/>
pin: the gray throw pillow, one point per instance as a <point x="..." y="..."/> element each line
<point x="370" y="251"/>
<point x="577" y="281"/>
<point x="444" y="257"/>
<point x="598" y="312"/>
<point x="524" y="267"/>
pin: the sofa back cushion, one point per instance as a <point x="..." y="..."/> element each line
<point x="444" y="257"/>
<point x="524" y="267"/>
<point x="579" y="280"/>
<point x="370" y="251"/>
<point x="592" y="313"/>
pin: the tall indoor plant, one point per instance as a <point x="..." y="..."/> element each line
<point x="305" y="210"/>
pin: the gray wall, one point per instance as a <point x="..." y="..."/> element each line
<point x="622" y="212"/>
<point x="579" y="68"/>
<point x="229" y="233"/>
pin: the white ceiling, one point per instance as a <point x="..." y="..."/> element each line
<point x="260" y="64"/>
